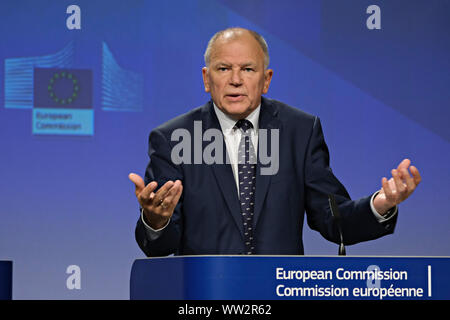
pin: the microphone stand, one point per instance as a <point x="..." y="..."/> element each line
<point x="337" y="217"/>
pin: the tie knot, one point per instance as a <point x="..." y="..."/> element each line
<point x="244" y="125"/>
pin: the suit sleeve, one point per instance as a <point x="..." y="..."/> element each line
<point x="357" y="220"/>
<point x="161" y="169"/>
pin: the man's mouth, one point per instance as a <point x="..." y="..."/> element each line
<point x="235" y="97"/>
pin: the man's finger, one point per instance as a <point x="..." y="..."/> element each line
<point x="400" y="186"/>
<point x="178" y="195"/>
<point x="387" y="189"/>
<point x="404" y="164"/>
<point x="175" y="197"/>
<point x="138" y="182"/>
<point x="170" y="199"/>
<point x="416" y="175"/>
<point x="409" y="181"/>
<point x="162" y="192"/>
<point x="147" y="192"/>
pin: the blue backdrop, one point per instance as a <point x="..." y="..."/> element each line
<point x="65" y="198"/>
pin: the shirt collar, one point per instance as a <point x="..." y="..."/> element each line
<point x="227" y="123"/>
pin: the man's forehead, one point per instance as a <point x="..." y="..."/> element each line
<point x="226" y="62"/>
<point x="224" y="50"/>
<point x="243" y="36"/>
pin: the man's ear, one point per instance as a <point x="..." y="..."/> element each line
<point x="267" y="78"/>
<point x="205" y="79"/>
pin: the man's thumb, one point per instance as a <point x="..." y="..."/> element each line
<point x="138" y="182"/>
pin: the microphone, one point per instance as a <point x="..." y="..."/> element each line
<point x="337" y="217"/>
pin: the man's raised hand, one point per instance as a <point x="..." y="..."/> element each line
<point x="398" y="188"/>
<point x="158" y="206"/>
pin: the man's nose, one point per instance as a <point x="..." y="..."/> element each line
<point x="236" y="79"/>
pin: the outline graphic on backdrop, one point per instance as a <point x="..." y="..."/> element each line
<point x="63" y="102"/>
<point x="19" y="75"/>
<point x="68" y="112"/>
<point x="122" y="89"/>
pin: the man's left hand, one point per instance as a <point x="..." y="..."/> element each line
<point x="398" y="188"/>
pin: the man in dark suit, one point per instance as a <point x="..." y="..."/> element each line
<point x="243" y="205"/>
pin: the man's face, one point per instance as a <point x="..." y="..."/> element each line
<point x="236" y="77"/>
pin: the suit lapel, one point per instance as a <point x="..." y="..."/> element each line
<point x="223" y="172"/>
<point x="267" y="120"/>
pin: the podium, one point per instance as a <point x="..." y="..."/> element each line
<point x="290" y="278"/>
<point x="5" y="280"/>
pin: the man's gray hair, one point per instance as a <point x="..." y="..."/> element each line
<point x="234" y="32"/>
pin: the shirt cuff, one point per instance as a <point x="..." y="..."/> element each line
<point x="382" y="218"/>
<point x="152" y="234"/>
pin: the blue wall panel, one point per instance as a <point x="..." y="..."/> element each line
<point x="382" y="95"/>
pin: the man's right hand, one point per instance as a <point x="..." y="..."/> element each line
<point x="158" y="207"/>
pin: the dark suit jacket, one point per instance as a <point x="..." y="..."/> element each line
<point x="207" y="218"/>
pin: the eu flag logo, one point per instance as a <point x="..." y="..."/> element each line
<point x="62" y="88"/>
<point x="63" y="102"/>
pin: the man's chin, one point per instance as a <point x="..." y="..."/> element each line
<point x="237" y="111"/>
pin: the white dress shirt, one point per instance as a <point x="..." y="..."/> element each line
<point x="233" y="136"/>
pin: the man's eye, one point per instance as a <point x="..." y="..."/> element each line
<point x="223" y="69"/>
<point x="248" y="69"/>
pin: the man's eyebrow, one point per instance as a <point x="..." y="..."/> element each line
<point x="221" y="63"/>
<point x="242" y="65"/>
<point x="248" y="64"/>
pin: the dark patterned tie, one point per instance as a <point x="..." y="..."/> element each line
<point x="247" y="182"/>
